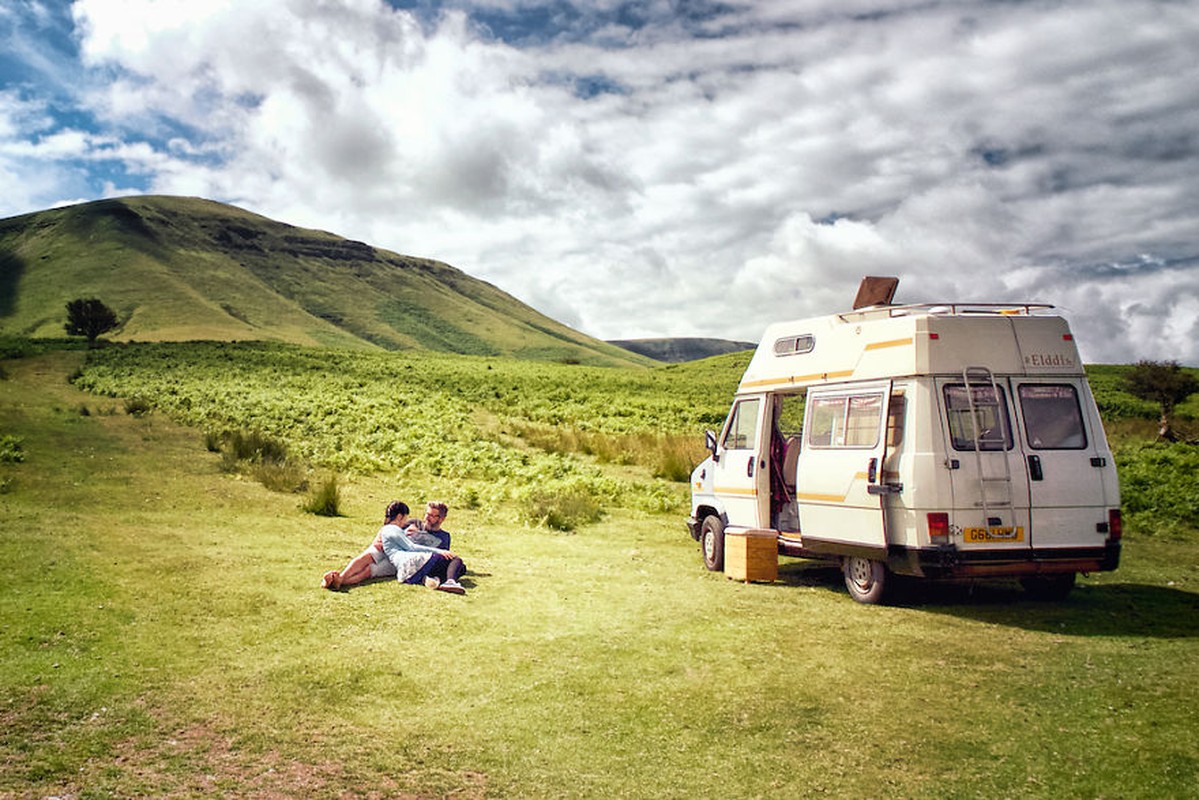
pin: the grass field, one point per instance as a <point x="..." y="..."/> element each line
<point x="164" y="635"/>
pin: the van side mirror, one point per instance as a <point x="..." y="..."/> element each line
<point x="710" y="443"/>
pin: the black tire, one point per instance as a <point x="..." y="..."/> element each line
<point x="711" y="540"/>
<point x="1049" y="587"/>
<point x="865" y="579"/>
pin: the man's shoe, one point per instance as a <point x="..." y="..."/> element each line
<point x="452" y="586"/>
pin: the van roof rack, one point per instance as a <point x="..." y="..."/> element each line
<point x="948" y="309"/>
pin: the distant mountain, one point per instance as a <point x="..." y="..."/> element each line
<point x="674" y="351"/>
<point x="176" y="268"/>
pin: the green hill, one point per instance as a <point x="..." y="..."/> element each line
<point x="179" y="269"/>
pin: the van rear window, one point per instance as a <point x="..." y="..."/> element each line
<point x="1052" y="416"/>
<point x="989" y="429"/>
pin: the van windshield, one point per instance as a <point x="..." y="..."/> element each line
<point x="989" y="428"/>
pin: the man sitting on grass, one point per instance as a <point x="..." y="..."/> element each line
<point x="429" y="532"/>
<point x="393" y="553"/>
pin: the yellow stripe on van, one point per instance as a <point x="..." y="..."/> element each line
<point x="821" y="498"/>
<point x="815" y="376"/>
<point x="891" y="343"/>
<point x="737" y="490"/>
<point x="829" y="498"/>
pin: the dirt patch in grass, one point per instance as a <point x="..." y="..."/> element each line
<point x="200" y="760"/>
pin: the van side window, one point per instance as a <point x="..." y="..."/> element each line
<point x="849" y="421"/>
<point x="991" y="424"/>
<point x="743" y="426"/>
<point x="1052" y="416"/>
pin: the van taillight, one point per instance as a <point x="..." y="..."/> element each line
<point x="1115" y="526"/>
<point x="938" y="527"/>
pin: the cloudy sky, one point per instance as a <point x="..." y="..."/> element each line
<point x="681" y="168"/>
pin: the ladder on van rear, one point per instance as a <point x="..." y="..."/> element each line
<point x="995" y="488"/>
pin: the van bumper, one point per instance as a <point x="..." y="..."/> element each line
<point x="952" y="562"/>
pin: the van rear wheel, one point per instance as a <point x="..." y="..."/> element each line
<point x="711" y="539"/>
<point x="865" y="579"/>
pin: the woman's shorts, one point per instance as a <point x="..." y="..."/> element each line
<point x="380" y="566"/>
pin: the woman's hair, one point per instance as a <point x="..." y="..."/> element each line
<point x="394" y="509"/>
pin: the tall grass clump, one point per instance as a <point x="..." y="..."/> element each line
<point x="560" y="505"/>
<point x="262" y="457"/>
<point x="285" y="476"/>
<point x="256" y="447"/>
<point x="138" y="406"/>
<point x="324" y="500"/>
<point x="668" y="456"/>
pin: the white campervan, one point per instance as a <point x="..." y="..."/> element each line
<point x="949" y="440"/>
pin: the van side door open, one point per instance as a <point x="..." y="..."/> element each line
<point x="841" y="487"/>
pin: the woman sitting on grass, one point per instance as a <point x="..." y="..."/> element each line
<point x="393" y="553"/>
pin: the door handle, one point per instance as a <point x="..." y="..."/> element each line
<point x="1034" y="468"/>
<point x="872" y="471"/>
<point x="749" y="467"/>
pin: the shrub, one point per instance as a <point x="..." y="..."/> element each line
<point x="10" y="450"/>
<point x="138" y="406"/>
<point x="325" y="499"/>
<point x="1159" y="487"/>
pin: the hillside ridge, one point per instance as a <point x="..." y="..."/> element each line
<point x="185" y="268"/>
<point x="679" y="349"/>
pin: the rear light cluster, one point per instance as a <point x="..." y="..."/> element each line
<point x="938" y="527"/>
<point x="1115" y="525"/>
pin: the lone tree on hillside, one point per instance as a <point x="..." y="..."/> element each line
<point x="1165" y="383"/>
<point x="89" y="318"/>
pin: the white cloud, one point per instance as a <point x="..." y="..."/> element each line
<point x="638" y="181"/>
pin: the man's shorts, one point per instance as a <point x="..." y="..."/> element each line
<point x="380" y="566"/>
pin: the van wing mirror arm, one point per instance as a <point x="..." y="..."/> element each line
<point x="710" y="443"/>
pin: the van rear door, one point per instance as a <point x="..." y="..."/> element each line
<point x="1067" y="458"/>
<point x="986" y="465"/>
<point x="841" y="469"/>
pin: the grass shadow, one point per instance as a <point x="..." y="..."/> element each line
<point x="1110" y="609"/>
<point x="1106" y="609"/>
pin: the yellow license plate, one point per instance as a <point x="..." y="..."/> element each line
<point x="983" y="535"/>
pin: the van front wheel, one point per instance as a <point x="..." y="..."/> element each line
<point x="866" y="580"/>
<point x="711" y="538"/>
